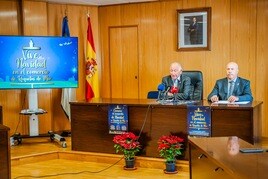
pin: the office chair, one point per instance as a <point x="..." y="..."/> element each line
<point x="196" y="84"/>
<point x="152" y="95"/>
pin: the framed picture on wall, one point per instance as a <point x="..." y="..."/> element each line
<point x="194" y="28"/>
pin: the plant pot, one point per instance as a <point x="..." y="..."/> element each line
<point x="171" y="167"/>
<point x="130" y="164"/>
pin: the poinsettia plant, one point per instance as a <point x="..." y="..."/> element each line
<point x="169" y="147"/>
<point x="127" y="143"/>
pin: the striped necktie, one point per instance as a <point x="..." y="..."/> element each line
<point x="231" y="89"/>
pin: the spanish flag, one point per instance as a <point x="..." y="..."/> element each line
<point x="92" y="79"/>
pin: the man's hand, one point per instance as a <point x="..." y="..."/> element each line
<point x="232" y="99"/>
<point x="170" y="94"/>
<point x="214" y="98"/>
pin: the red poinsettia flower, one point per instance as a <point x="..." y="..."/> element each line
<point x="169" y="147"/>
<point x="127" y="143"/>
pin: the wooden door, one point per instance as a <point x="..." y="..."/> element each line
<point x="123" y="44"/>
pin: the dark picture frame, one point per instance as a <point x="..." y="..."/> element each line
<point x="194" y="29"/>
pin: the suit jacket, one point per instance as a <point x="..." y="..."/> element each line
<point x="241" y="89"/>
<point x="184" y="86"/>
<point x="191" y="27"/>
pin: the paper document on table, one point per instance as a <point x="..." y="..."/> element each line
<point x="227" y="102"/>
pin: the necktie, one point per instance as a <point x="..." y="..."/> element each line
<point x="175" y="82"/>
<point x="231" y="89"/>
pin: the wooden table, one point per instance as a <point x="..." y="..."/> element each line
<point x="219" y="157"/>
<point x="5" y="171"/>
<point x="1" y="115"/>
<point x="90" y="131"/>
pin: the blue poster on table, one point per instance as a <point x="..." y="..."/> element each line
<point x="199" y="121"/>
<point x="118" y="119"/>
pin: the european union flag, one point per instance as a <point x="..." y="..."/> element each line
<point x="65" y="27"/>
<point x="68" y="94"/>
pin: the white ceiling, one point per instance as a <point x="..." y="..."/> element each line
<point x="98" y="2"/>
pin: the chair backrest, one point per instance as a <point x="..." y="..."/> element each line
<point x="152" y="95"/>
<point x="196" y="84"/>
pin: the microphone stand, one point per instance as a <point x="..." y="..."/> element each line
<point x="161" y="90"/>
<point x="166" y="92"/>
<point x="160" y="96"/>
<point x="175" y="98"/>
<point x="174" y="91"/>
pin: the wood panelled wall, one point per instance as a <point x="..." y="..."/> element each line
<point x="238" y="34"/>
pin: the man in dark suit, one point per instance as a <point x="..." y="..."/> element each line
<point x="177" y="84"/>
<point x="231" y="88"/>
<point x="192" y="29"/>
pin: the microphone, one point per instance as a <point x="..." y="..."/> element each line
<point x="161" y="89"/>
<point x="174" y="90"/>
<point x="165" y="93"/>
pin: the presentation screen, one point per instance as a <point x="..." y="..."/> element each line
<point x="34" y="62"/>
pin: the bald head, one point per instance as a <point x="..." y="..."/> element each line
<point x="233" y="145"/>
<point x="232" y="70"/>
<point x="175" y="70"/>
